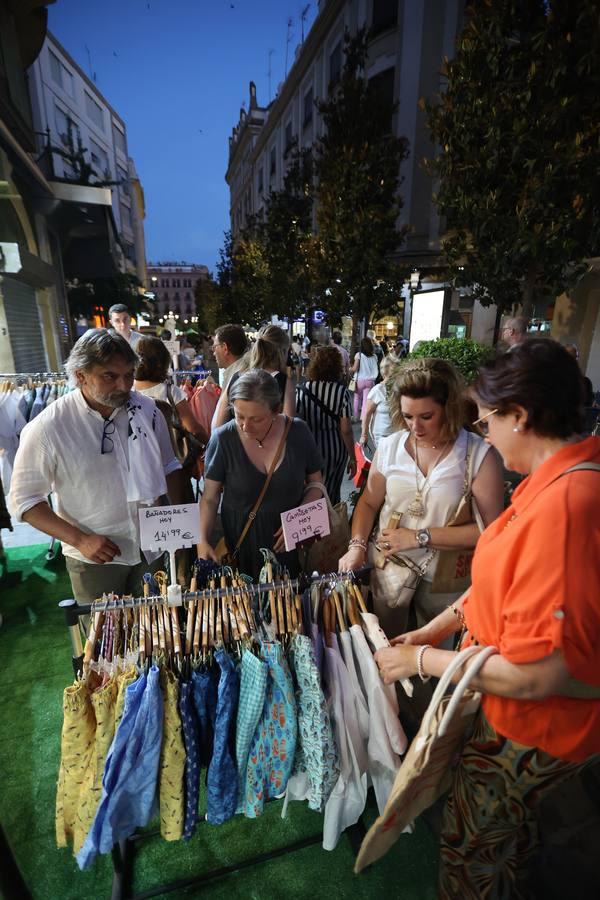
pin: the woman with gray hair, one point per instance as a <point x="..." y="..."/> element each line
<point x="238" y="460"/>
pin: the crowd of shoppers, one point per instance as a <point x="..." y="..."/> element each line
<point x="104" y="450"/>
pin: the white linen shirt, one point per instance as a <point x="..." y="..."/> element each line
<point x="60" y="453"/>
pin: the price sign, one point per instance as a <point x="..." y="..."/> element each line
<point x="169" y="527"/>
<point x="310" y="520"/>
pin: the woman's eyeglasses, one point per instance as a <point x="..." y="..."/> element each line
<point x="484" y="425"/>
<point x="107" y="444"/>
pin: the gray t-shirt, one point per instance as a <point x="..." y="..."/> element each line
<point x="226" y="461"/>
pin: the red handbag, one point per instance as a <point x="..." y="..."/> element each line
<point x="362" y="466"/>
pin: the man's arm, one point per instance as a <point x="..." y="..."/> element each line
<point x="96" y="547"/>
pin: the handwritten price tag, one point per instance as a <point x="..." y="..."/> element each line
<point x="304" y="522"/>
<point x="169" y="527"/>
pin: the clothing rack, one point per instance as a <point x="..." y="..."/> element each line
<point x="73" y="610"/>
<point x="123" y="853"/>
<point x="53" y="547"/>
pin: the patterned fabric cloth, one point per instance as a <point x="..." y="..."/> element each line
<point x="172" y="762"/>
<point x="316" y="753"/>
<point x="205" y="703"/>
<point x="130" y="775"/>
<point x="189" y="725"/>
<point x="489" y="831"/>
<point x="253" y="685"/>
<point x="221" y="780"/>
<point x="90" y="789"/>
<point x="77" y="746"/>
<point x="274" y="743"/>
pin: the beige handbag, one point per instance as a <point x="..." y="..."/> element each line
<point x="426" y="772"/>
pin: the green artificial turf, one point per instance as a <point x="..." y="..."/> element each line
<point x="36" y="667"/>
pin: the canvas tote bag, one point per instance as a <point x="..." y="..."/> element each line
<point x="426" y="771"/>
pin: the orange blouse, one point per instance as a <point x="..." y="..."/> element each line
<point x="536" y="589"/>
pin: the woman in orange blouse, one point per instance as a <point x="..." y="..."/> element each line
<point x="534" y="596"/>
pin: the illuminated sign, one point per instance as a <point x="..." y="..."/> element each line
<point x="427" y="314"/>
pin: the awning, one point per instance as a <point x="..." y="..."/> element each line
<point x="23" y="160"/>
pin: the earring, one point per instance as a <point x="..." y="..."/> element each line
<point x="517" y="428"/>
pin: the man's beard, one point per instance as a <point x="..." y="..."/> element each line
<point x="114" y="400"/>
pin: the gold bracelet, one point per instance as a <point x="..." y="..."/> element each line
<point x="459" y="615"/>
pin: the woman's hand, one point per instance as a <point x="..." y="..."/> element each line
<point x="395" y="540"/>
<point x="352" y="560"/>
<point x="278" y="541"/>
<point x="351" y="467"/>
<point x="397" y="662"/>
<point x="418" y="636"/>
<point x="205" y="551"/>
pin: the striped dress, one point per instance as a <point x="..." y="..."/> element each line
<point x="325" y="427"/>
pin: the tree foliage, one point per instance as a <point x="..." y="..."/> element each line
<point x="357" y="164"/>
<point x="517" y="128"/>
<point x="465" y="354"/>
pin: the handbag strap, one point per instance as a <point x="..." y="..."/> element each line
<point x="462" y="686"/>
<point x="444" y="683"/>
<point x="256" y="507"/>
<point x="318" y="402"/>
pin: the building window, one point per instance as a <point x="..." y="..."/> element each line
<point x="60" y="74"/>
<point x="176" y="297"/>
<point x="100" y="161"/>
<point x="308" y="108"/>
<point x="164" y="283"/>
<point x="126" y="217"/>
<point x="261" y="184"/>
<point x="130" y="252"/>
<point x="385" y="15"/>
<point x="273" y="162"/>
<point x="335" y="64"/>
<point x="62" y="126"/>
<point x="188" y="297"/>
<point x="124" y="179"/>
<point x="383" y="85"/>
<point x="289" y="138"/>
<point x="119" y="139"/>
<point x="94" y="111"/>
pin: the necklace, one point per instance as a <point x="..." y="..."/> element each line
<point x="265" y="435"/>
<point x="416" y="509"/>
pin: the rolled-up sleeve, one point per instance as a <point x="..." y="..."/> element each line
<point x="33" y="473"/>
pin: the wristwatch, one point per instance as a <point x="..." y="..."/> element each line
<point x="423" y="537"/>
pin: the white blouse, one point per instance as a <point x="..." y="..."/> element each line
<point x="443" y="491"/>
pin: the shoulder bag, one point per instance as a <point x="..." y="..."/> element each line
<point x="426" y="771"/>
<point x="222" y="551"/>
<point x="324" y="553"/>
<point x="453" y="572"/>
<point x="319" y="403"/>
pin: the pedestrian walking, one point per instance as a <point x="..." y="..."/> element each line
<point x="365" y="368"/>
<point x="323" y="402"/>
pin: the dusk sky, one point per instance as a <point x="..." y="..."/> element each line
<point x="177" y="72"/>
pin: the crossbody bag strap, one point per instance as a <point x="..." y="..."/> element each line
<point x="256" y="507"/>
<point x="318" y="402"/>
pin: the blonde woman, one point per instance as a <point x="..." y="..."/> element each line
<point x="269" y="353"/>
<point x="418" y="474"/>
<point x="376" y="420"/>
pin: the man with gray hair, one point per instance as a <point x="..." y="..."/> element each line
<point x="514" y="331"/>
<point x="104" y="451"/>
